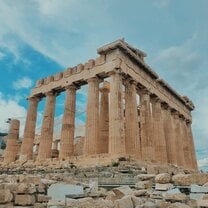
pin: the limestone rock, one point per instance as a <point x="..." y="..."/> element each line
<point x="178" y="205"/>
<point x="188" y="179"/>
<point x="143" y="185"/>
<point x="178" y="197"/>
<point x="30" y="179"/>
<point x="137" y="200"/>
<point x="198" y="189"/>
<point x="40" y="205"/>
<point x="43" y="198"/>
<point x="56" y="204"/>
<point x="144" y="177"/>
<point x="163" y="187"/>
<point x="163" y="178"/>
<point x="182" y="179"/>
<point x="163" y="204"/>
<point x="124" y="202"/>
<point x="140" y="192"/>
<point x="26" y="188"/>
<point x="24" y="200"/>
<point x="147" y="204"/>
<point x="5" y="196"/>
<point x="202" y="203"/>
<point x="156" y="195"/>
<point x="123" y="191"/>
<point x="10" y="205"/>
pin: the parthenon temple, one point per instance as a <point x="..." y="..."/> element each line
<point x="130" y="111"/>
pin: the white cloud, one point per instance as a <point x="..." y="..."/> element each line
<point x="56" y="23"/>
<point x="24" y="82"/>
<point x="203" y="164"/>
<point x="11" y="109"/>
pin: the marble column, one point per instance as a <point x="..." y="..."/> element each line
<point x="116" y="116"/>
<point x="46" y="138"/>
<point x="26" y="152"/>
<point x="170" y="135"/>
<point x="147" y="142"/>
<point x="12" y="142"/>
<point x="186" y="143"/>
<point x="103" y="141"/>
<point x="92" y="121"/>
<point x="131" y="117"/>
<point x="68" y="124"/>
<point x="192" y="147"/>
<point x="158" y="131"/>
<point x="178" y="139"/>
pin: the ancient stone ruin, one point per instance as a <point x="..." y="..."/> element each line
<point x="158" y="129"/>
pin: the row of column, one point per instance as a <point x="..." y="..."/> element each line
<point x="164" y="135"/>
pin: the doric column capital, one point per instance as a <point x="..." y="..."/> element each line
<point x="143" y="91"/>
<point x="51" y="93"/>
<point x="155" y="100"/>
<point x="165" y="106"/>
<point x="94" y="79"/>
<point x="34" y="98"/>
<point x="105" y="87"/>
<point x="130" y="81"/>
<point x="175" y="113"/>
<point x="188" y="121"/>
<point x="72" y="87"/>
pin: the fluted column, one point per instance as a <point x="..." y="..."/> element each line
<point x="103" y="141"/>
<point x="147" y="143"/>
<point x="116" y="117"/>
<point x="192" y="147"/>
<point x="170" y="135"/>
<point x="46" y="138"/>
<point x="131" y="117"/>
<point x="68" y="124"/>
<point x="92" y="121"/>
<point x="12" y="142"/>
<point x="158" y="131"/>
<point x="26" y="152"/>
<point x="178" y="138"/>
<point x="186" y="143"/>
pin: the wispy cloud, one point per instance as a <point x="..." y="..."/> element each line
<point x="22" y="83"/>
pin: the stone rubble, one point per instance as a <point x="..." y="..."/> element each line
<point x="142" y="189"/>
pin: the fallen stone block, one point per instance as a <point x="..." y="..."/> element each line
<point x="178" y="205"/>
<point x="56" y="204"/>
<point x="163" y="178"/>
<point x="198" y="189"/>
<point x="163" y="187"/>
<point x="137" y="200"/>
<point x="124" y="202"/>
<point x="202" y="203"/>
<point x="179" y="197"/>
<point x="145" y="177"/>
<point x="5" y="196"/>
<point x="122" y="191"/>
<point x="143" y="185"/>
<point x="140" y="192"/>
<point x="43" y="198"/>
<point x="24" y="200"/>
<point x="26" y="188"/>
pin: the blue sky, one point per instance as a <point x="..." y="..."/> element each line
<point x="41" y="37"/>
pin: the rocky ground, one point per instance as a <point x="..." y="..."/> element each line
<point x="122" y="184"/>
